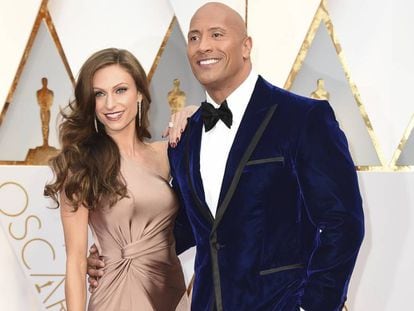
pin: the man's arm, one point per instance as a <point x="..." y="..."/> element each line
<point x="183" y="233"/>
<point x="333" y="203"/>
<point x="184" y="238"/>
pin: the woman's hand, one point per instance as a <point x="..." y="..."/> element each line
<point x="177" y="124"/>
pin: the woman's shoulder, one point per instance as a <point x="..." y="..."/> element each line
<point x="160" y="145"/>
<point x="160" y="158"/>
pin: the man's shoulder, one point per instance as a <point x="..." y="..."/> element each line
<point x="288" y="99"/>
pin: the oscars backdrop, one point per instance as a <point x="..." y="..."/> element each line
<point x="357" y="54"/>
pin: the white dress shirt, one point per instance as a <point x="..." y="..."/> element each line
<point x="216" y="143"/>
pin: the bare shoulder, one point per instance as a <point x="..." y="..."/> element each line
<point x="160" y="146"/>
<point x="161" y="157"/>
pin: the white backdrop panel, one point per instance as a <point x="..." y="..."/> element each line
<point x="13" y="284"/>
<point x="382" y="280"/>
<point x="16" y="22"/>
<point x="278" y="28"/>
<point x="35" y="234"/>
<point x="375" y="37"/>
<point x="87" y="26"/>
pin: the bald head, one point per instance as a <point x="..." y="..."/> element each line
<point x="220" y="11"/>
<point x="219" y="49"/>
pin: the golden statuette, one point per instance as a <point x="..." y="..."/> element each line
<point x="320" y="92"/>
<point x="41" y="154"/>
<point x="176" y="97"/>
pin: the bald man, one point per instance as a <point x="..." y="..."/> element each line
<point x="268" y="188"/>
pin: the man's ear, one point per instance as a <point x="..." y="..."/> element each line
<point x="247" y="47"/>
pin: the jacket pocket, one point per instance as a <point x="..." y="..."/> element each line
<point x="280" y="269"/>
<point x="280" y="160"/>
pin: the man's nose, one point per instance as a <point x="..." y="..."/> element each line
<point x="205" y="44"/>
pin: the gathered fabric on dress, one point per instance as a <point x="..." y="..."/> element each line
<point x="135" y="239"/>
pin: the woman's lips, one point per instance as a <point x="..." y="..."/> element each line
<point x="114" y="116"/>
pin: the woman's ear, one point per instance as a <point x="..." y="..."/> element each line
<point x="139" y="97"/>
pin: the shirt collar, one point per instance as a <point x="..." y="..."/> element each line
<point x="240" y="95"/>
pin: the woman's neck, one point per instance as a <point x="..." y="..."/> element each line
<point x="128" y="142"/>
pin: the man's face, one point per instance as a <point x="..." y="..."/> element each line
<point x="217" y="49"/>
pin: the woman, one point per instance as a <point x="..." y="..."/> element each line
<point x="109" y="177"/>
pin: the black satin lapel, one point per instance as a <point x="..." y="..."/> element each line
<point x="256" y="113"/>
<point x="237" y="173"/>
<point x="192" y="153"/>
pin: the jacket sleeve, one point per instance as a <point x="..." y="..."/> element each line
<point x="329" y="187"/>
<point x="183" y="233"/>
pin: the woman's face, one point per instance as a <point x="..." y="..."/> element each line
<point x="116" y="98"/>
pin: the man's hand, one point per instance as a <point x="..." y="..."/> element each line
<point x="95" y="265"/>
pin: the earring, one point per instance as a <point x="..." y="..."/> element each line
<point x="96" y="124"/>
<point x="139" y="113"/>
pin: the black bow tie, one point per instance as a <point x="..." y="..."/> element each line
<point x="211" y="115"/>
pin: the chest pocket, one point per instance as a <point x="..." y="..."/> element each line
<point x="280" y="160"/>
<point x="270" y="163"/>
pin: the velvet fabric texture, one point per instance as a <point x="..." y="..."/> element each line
<point x="289" y="222"/>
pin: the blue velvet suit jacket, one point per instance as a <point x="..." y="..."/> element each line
<point x="289" y="222"/>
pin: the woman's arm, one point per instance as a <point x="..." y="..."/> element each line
<point x="75" y="228"/>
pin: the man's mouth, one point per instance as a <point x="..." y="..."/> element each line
<point x="209" y="61"/>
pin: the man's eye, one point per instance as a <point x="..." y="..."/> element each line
<point x="121" y="90"/>
<point x="193" y="38"/>
<point x="217" y="35"/>
<point x="99" y="94"/>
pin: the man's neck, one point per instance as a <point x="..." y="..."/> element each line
<point x="220" y="93"/>
<point x="219" y="96"/>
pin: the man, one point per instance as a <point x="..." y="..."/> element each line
<point x="272" y="201"/>
<point x="269" y="193"/>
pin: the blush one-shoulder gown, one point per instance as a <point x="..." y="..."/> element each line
<point x="135" y="239"/>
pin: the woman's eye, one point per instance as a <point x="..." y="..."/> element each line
<point x="99" y="94"/>
<point x="121" y="90"/>
<point x="193" y="38"/>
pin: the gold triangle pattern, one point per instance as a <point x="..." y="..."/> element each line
<point x="322" y="16"/>
<point x="162" y="48"/>
<point x="43" y="14"/>
<point x="409" y="131"/>
<point x="56" y="40"/>
<point x="26" y="53"/>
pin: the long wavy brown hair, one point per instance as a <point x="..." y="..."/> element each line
<point x="87" y="170"/>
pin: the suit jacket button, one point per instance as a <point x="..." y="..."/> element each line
<point x="218" y="246"/>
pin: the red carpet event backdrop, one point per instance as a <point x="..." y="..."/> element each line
<point x="357" y="54"/>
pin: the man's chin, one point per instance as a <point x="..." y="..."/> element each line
<point x="207" y="81"/>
